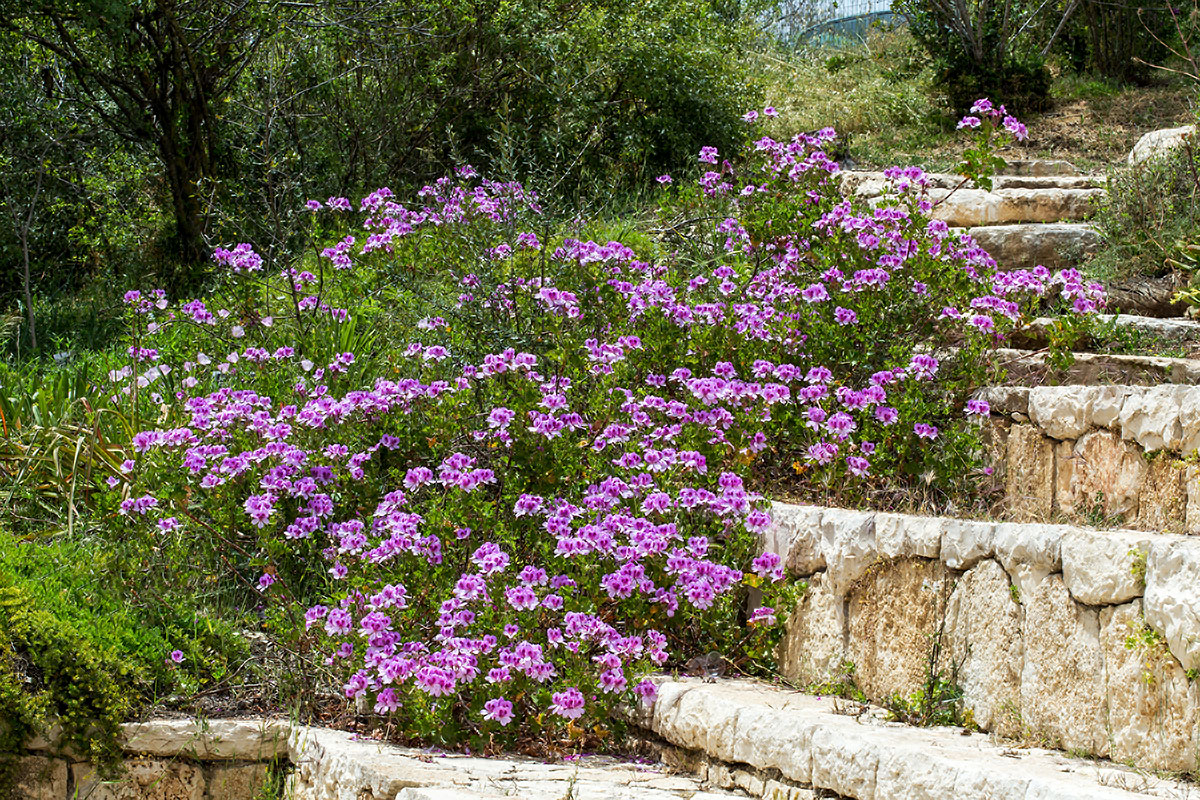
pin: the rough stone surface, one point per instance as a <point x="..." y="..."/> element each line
<point x="862" y="757"/>
<point x="900" y="535"/>
<point x="794" y="535"/>
<point x="1062" y="677"/>
<point x="1191" y="481"/>
<point x="234" y="781"/>
<point x="1159" y="143"/>
<point x="1100" y="473"/>
<point x="143" y="779"/>
<point x="1026" y="246"/>
<point x="1094" y="369"/>
<point x="848" y="542"/>
<point x="965" y="542"/>
<point x="974" y="207"/>
<point x="1038" y="167"/>
<point x="814" y="647"/>
<point x="334" y="765"/>
<point x="1031" y="545"/>
<point x="896" y="610"/>
<point x="983" y="642"/>
<point x="1152" y="707"/>
<point x="40" y="778"/>
<point x="1172" y="596"/>
<point x="1162" y="505"/>
<point x="1097" y="566"/>
<point x="1061" y="415"/>
<point x="244" y="740"/>
<point x="1151" y="417"/>
<point x="1029" y="481"/>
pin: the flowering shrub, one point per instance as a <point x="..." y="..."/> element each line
<point x="503" y="524"/>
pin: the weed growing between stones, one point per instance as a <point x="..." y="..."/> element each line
<point x="488" y="474"/>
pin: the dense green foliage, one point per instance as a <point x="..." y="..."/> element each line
<point x="138" y="134"/>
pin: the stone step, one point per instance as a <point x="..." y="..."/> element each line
<point x="1038" y="167"/>
<point x="1113" y="453"/>
<point x="971" y="208"/>
<point x="1170" y="330"/>
<point x="1026" y="368"/>
<point x="873" y="184"/>
<point x="1027" y="245"/>
<point x="1073" y="637"/>
<point x="795" y="739"/>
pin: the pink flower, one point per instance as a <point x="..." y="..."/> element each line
<point x="498" y="710"/>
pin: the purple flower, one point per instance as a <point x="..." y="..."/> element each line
<point x="498" y="710"/>
<point x="925" y="431"/>
<point x="763" y="615"/>
<point x="567" y="704"/>
<point x="177" y="656"/>
<point x="665" y="180"/>
<point x="978" y="408"/>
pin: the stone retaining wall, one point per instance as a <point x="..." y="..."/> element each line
<point x="165" y="760"/>
<point x="231" y="759"/>
<point x="1098" y="454"/>
<point x="1073" y="638"/>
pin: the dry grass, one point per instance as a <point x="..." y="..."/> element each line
<point x="881" y="97"/>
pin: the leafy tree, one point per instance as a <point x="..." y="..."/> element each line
<point x="155" y="73"/>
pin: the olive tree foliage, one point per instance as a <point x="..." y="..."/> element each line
<point x="155" y="74"/>
<point x="234" y="112"/>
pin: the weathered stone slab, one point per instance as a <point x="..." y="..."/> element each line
<point x="1172" y="596"/>
<point x="1153" y="710"/>
<point x="240" y="739"/>
<point x="983" y="638"/>
<point x="1101" y="474"/>
<point x="1163" y="502"/>
<point x="143" y="779"/>
<point x="1062" y="675"/>
<point x="1025" y="246"/>
<point x="795" y="536"/>
<point x="896" y="610"/>
<point x="861" y="756"/>
<point x="1159" y="143"/>
<point x="39" y="778"/>
<point x="1029" y="478"/>
<point x="1098" y="566"/>
<point x="814" y="647"/>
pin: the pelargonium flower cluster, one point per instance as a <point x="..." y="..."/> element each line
<point x="524" y="530"/>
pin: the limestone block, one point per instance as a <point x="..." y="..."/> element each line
<point x="965" y="542"/>
<point x="1028" y="245"/>
<point x="1038" y="167"/>
<point x="900" y="535"/>
<point x="983" y="638"/>
<point x="1172" y="596"/>
<point x="244" y="739"/>
<point x="1162" y="505"/>
<point x="143" y="779"/>
<point x="1153" y="710"/>
<point x="40" y="778"/>
<point x="1097" y="566"/>
<point x="895" y="611"/>
<point x="1107" y="403"/>
<point x="1101" y="472"/>
<point x="1159" y="143"/>
<point x="1029" y="479"/>
<point x="1189" y="419"/>
<point x="1191" y="523"/>
<point x="1152" y="417"/>
<point x="994" y="436"/>
<point x="795" y="536"/>
<point x="848" y="542"/>
<point x="975" y="207"/>
<point x="814" y="645"/>
<point x="1008" y="399"/>
<point x="1031" y="545"/>
<point x="234" y="781"/>
<point x="1062" y="412"/>
<point x="1062" y="676"/>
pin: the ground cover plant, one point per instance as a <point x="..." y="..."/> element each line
<point x="485" y="475"/>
